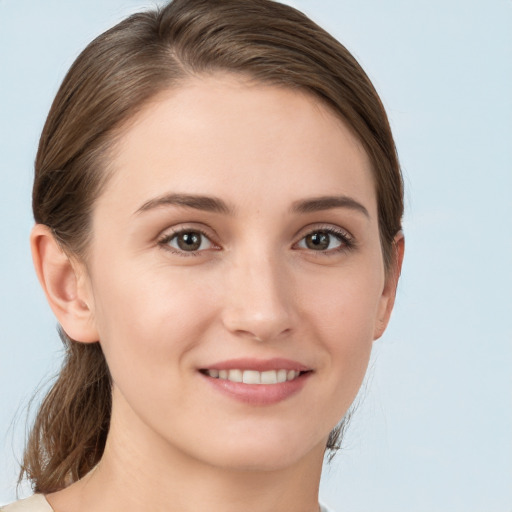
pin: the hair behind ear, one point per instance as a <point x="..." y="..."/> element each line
<point x="69" y="434"/>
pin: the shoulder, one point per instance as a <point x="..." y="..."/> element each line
<point x="36" y="503"/>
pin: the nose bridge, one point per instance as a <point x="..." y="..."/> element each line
<point x="258" y="299"/>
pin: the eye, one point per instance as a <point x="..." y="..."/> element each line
<point x="187" y="241"/>
<point x="326" y="240"/>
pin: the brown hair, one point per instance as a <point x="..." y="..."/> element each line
<point x="112" y="79"/>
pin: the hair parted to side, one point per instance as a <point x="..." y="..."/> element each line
<point x="114" y="78"/>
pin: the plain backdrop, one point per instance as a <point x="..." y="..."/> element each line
<point x="433" y="432"/>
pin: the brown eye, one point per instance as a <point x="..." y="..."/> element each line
<point x="318" y="241"/>
<point x="188" y="241"/>
<point x="323" y="240"/>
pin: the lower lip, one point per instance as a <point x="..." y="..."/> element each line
<point x="258" y="394"/>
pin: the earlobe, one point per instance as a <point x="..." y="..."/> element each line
<point x="387" y="300"/>
<point x="64" y="284"/>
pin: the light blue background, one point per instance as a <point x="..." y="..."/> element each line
<point x="434" y="432"/>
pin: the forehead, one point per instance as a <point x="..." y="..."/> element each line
<point x="228" y="136"/>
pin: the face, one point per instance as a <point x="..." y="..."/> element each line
<point x="237" y="240"/>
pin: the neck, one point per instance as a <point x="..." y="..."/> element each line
<point x="142" y="472"/>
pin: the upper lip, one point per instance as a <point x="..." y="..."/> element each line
<point x="259" y="365"/>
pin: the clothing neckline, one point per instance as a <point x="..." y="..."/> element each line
<point x="41" y="499"/>
<point x="47" y="503"/>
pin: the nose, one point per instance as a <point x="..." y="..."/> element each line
<point x="258" y="299"/>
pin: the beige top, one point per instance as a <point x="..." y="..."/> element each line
<point x="38" y="503"/>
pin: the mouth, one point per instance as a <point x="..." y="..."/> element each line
<point x="258" y="382"/>
<point x="267" y="377"/>
<point x="257" y="371"/>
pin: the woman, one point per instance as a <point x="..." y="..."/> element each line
<point x="218" y="210"/>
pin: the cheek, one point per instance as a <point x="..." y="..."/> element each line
<point x="342" y="310"/>
<point x="149" y="324"/>
<point x="146" y="320"/>
<point x="344" y="304"/>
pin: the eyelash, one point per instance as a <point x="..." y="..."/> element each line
<point x="347" y="241"/>
<point x="166" y="239"/>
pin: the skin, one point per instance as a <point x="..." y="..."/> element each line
<point x="254" y="289"/>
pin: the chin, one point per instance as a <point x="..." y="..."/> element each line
<point x="264" y="453"/>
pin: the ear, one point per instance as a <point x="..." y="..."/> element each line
<point x="387" y="299"/>
<point x="65" y="284"/>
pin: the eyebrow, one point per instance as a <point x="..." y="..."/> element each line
<point x="317" y="204"/>
<point x="217" y="205"/>
<point x="198" y="202"/>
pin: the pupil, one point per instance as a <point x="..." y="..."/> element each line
<point x="318" y="241"/>
<point x="189" y="241"/>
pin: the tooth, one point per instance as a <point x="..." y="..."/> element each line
<point x="269" y="377"/>
<point x="235" y="375"/>
<point x="281" y="375"/>
<point x="251" y="377"/>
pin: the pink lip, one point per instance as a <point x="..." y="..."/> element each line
<point x="258" y="394"/>
<point x="259" y="365"/>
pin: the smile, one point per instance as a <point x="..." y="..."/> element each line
<point x="257" y="382"/>
<point x="254" y="376"/>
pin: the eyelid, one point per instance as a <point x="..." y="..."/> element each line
<point x="167" y="235"/>
<point x="347" y="239"/>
